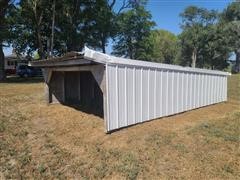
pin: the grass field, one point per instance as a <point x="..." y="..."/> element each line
<point x="57" y="142"/>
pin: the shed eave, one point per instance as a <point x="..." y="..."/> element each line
<point x="52" y="63"/>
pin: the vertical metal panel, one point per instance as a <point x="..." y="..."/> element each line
<point x="175" y="92"/>
<point x="121" y="97"/>
<point x="155" y="93"/>
<point x="130" y="95"/>
<point x="224" y="88"/>
<point x="204" y="89"/>
<point x="218" y="88"/>
<point x="214" y="89"/>
<point x="159" y="96"/>
<point x="194" y="91"/>
<point x="190" y="89"/>
<point x="208" y="90"/>
<point x="151" y="94"/>
<point x="198" y="90"/>
<point x="107" y="101"/>
<point x="134" y="95"/>
<point x="221" y="88"/>
<point x="165" y="93"/>
<point x="112" y="96"/>
<point x="170" y="92"/>
<point x="186" y="92"/>
<point x="125" y="96"/>
<point x="181" y="96"/>
<point x="173" y="99"/>
<point x="137" y="94"/>
<point x="145" y="94"/>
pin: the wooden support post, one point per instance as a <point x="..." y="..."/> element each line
<point x="47" y="74"/>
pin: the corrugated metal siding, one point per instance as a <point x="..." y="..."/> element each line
<point x="138" y="94"/>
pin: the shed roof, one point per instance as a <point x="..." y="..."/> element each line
<point x="89" y="57"/>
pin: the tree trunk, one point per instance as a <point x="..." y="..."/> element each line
<point x="103" y="45"/>
<point x="103" y="49"/>
<point x="53" y="25"/>
<point x="2" y="69"/>
<point x="40" y="45"/>
<point x="38" y="19"/>
<point x="237" y="61"/>
<point x="3" y="7"/>
<point x="194" y="58"/>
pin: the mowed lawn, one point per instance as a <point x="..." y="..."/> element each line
<point x="50" y="142"/>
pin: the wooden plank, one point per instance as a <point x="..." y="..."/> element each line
<point x="71" y="62"/>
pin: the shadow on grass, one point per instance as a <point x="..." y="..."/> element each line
<point x="89" y="109"/>
<point x="16" y="79"/>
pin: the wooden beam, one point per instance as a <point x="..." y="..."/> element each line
<point x="51" y="63"/>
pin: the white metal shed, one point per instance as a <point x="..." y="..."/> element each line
<point x="134" y="91"/>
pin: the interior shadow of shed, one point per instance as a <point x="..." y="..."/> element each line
<point x="77" y="89"/>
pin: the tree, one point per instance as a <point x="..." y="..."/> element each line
<point x="32" y="27"/>
<point x="73" y="24"/>
<point x="105" y="15"/>
<point x="134" y="26"/>
<point x="231" y="20"/>
<point x="4" y="33"/>
<point x="163" y="47"/>
<point x="53" y="27"/>
<point x="195" y="21"/>
<point x="104" y="24"/>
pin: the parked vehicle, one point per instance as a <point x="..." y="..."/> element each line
<point x="10" y="66"/>
<point x="28" y="71"/>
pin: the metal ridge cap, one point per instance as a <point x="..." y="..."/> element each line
<point x="108" y="59"/>
<point x="118" y="60"/>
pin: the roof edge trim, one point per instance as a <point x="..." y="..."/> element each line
<point x="112" y="60"/>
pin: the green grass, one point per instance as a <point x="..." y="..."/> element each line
<point x="227" y="128"/>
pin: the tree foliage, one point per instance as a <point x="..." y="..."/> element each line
<point x="230" y="18"/>
<point x="133" y="27"/>
<point x="70" y="24"/>
<point x="196" y="22"/>
<point x="53" y="27"/>
<point x="163" y="47"/>
<point x="6" y="8"/>
<point x="203" y="40"/>
<point x="32" y="26"/>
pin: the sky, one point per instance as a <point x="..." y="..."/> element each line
<point x="165" y="13"/>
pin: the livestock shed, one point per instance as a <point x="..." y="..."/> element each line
<point x="127" y="92"/>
